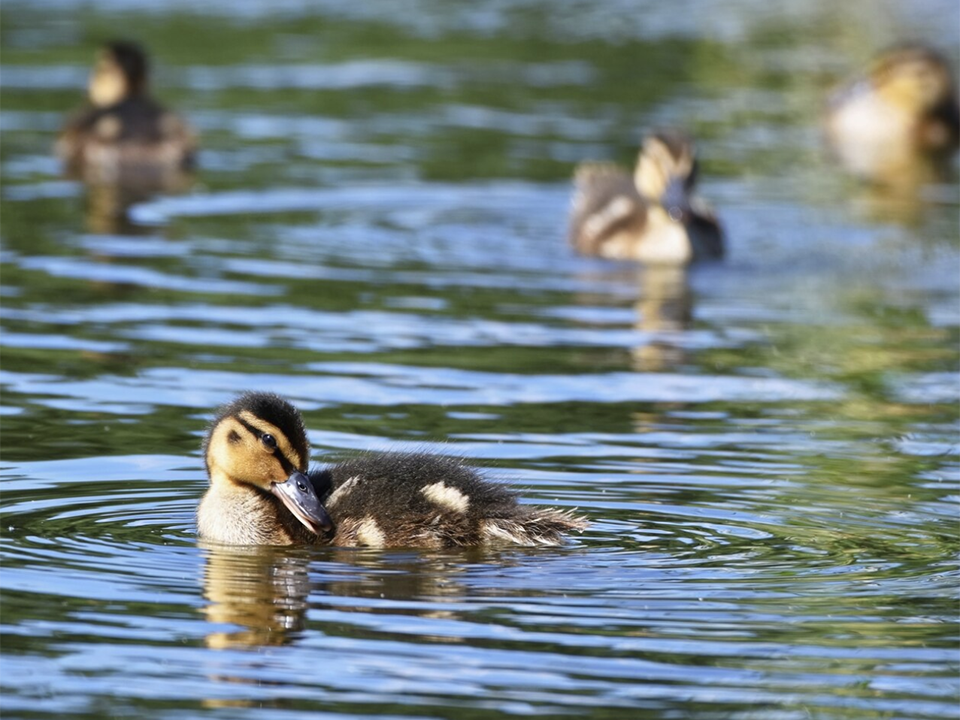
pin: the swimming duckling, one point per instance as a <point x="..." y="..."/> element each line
<point x="905" y="110"/>
<point x="123" y="131"/>
<point x="650" y="217"/>
<point x="261" y="492"/>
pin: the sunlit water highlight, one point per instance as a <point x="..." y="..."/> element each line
<point x="766" y="448"/>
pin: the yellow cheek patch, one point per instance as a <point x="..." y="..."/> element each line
<point x="229" y="439"/>
<point x="234" y="453"/>
<point x="107" y="86"/>
<point x="649" y="178"/>
<point x="657" y="166"/>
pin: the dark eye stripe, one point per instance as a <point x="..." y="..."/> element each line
<point x="288" y="467"/>
<point x="284" y="463"/>
<point x="249" y="428"/>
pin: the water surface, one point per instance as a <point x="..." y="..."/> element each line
<point x="766" y="448"/>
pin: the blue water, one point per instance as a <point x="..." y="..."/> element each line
<point x="767" y="448"/>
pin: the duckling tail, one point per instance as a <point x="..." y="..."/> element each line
<point x="532" y="527"/>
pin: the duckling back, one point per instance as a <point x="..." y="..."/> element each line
<point x="419" y="500"/>
<point x="605" y="206"/>
<point x="136" y="136"/>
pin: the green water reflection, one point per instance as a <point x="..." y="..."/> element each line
<point x="767" y="448"/>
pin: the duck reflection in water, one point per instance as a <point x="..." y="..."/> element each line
<point x="108" y="205"/>
<point x="260" y="591"/>
<point x="898" y="125"/>
<point x="259" y="596"/>
<point x="263" y="592"/>
<point x="664" y="310"/>
<point x="124" y="145"/>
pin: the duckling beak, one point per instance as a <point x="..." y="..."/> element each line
<point x="298" y="495"/>
<point x="676" y="201"/>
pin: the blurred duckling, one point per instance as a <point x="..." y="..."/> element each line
<point x="903" y="111"/>
<point x="651" y="217"/>
<point x="123" y="133"/>
<point x="261" y="492"/>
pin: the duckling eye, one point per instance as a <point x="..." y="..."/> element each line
<point x="269" y="441"/>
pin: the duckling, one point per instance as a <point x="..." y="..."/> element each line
<point x="261" y="492"/>
<point x="123" y="131"/>
<point x="904" y="110"/>
<point x="651" y="217"/>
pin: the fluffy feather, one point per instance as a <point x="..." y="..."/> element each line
<point x="387" y="489"/>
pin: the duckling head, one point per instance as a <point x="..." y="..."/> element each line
<point x="259" y="441"/>
<point x="667" y="171"/>
<point x="915" y="78"/>
<point x="120" y="71"/>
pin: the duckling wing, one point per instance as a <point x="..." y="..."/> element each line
<point x="180" y="137"/>
<point x="70" y="142"/>
<point x="420" y="500"/>
<point x="605" y="202"/>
